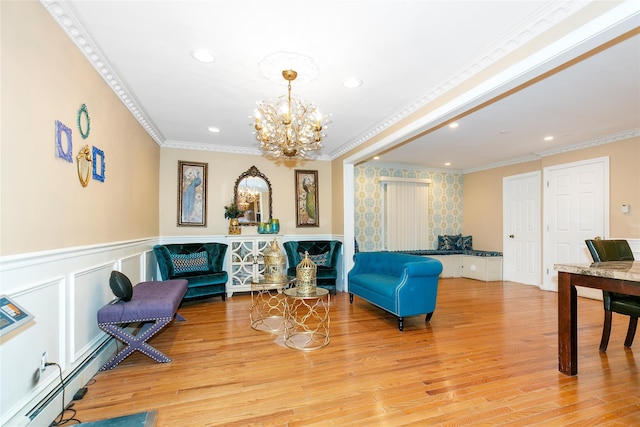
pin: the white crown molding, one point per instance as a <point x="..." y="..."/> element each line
<point x="199" y="146"/>
<point x="547" y="17"/>
<point x="417" y="168"/>
<point x="63" y="13"/>
<point x="633" y="133"/>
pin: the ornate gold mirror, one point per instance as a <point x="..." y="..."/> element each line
<point x="84" y="161"/>
<point x="252" y="193"/>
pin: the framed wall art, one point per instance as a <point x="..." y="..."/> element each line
<point x="307" y="208"/>
<point x="192" y="194"/>
<point x="98" y="164"/>
<point x="84" y="122"/>
<point x="64" y="131"/>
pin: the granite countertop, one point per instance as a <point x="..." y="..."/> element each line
<point x="623" y="270"/>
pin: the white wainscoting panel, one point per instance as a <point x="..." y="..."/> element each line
<point x="21" y="349"/>
<point x="63" y="289"/>
<point x="132" y="267"/>
<point x="89" y="290"/>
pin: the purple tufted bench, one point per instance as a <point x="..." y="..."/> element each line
<point x="153" y="304"/>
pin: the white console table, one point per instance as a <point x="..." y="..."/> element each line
<point x="246" y="260"/>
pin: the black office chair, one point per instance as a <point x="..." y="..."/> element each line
<point x="615" y="250"/>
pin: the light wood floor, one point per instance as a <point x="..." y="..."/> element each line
<point x="488" y="357"/>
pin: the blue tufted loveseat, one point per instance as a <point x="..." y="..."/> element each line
<point x="201" y="264"/>
<point x="404" y="285"/>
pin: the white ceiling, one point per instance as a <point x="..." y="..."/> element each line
<point x="409" y="55"/>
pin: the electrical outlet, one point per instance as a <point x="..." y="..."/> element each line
<point x="43" y="361"/>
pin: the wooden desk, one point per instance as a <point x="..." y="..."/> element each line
<point x="616" y="276"/>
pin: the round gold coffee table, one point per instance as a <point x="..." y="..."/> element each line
<point x="267" y="304"/>
<point x="306" y="319"/>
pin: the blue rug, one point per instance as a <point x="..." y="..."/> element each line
<point x="142" y="419"/>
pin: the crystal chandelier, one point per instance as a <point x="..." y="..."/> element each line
<point x="290" y="127"/>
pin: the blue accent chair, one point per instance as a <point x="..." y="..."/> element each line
<point x="324" y="253"/>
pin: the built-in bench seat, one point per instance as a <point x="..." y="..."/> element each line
<point x="470" y="252"/>
<point x="460" y="260"/>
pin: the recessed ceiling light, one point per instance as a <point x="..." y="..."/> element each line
<point x="548" y="138"/>
<point x="214" y="129"/>
<point x="448" y="164"/>
<point x="352" y="83"/>
<point x="203" y="55"/>
<point x="453" y="125"/>
<point x="376" y="157"/>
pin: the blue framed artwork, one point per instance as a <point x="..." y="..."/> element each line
<point x="61" y="130"/>
<point x="98" y="164"/>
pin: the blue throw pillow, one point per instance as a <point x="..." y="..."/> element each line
<point x="448" y="242"/>
<point x="187" y="263"/>
<point x="467" y="243"/>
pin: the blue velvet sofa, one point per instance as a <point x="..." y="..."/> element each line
<point x="324" y="253"/>
<point x="404" y="285"/>
<point x="201" y="264"/>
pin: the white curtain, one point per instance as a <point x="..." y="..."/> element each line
<point x="406" y="208"/>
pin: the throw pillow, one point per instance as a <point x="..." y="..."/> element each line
<point x="457" y="242"/>
<point x="187" y="263"/>
<point x="447" y="243"/>
<point x="319" y="259"/>
<point x="467" y="243"/>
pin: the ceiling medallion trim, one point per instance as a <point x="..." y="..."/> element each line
<point x="64" y="15"/>
<point x="272" y="65"/>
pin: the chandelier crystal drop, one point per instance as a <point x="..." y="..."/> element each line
<point x="290" y="127"/>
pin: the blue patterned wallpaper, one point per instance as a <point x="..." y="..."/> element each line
<point x="445" y="203"/>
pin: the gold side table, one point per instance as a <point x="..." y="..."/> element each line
<point x="306" y="319"/>
<point x="267" y="304"/>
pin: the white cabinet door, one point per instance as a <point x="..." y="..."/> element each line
<point x="521" y="239"/>
<point x="576" y="208"/>
<point x="245" y="262"/>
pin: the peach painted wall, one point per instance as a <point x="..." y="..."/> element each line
<point x="224" y="169"/>
<point x="482" y="214"/>
<point x="43" y="206"/>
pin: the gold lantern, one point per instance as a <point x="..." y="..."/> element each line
<point x="306" y="276"/>
<point x="275" y="262"/>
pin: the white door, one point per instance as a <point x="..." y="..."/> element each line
<point x="576" y="208"/>
<point x="521" y="237"/>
